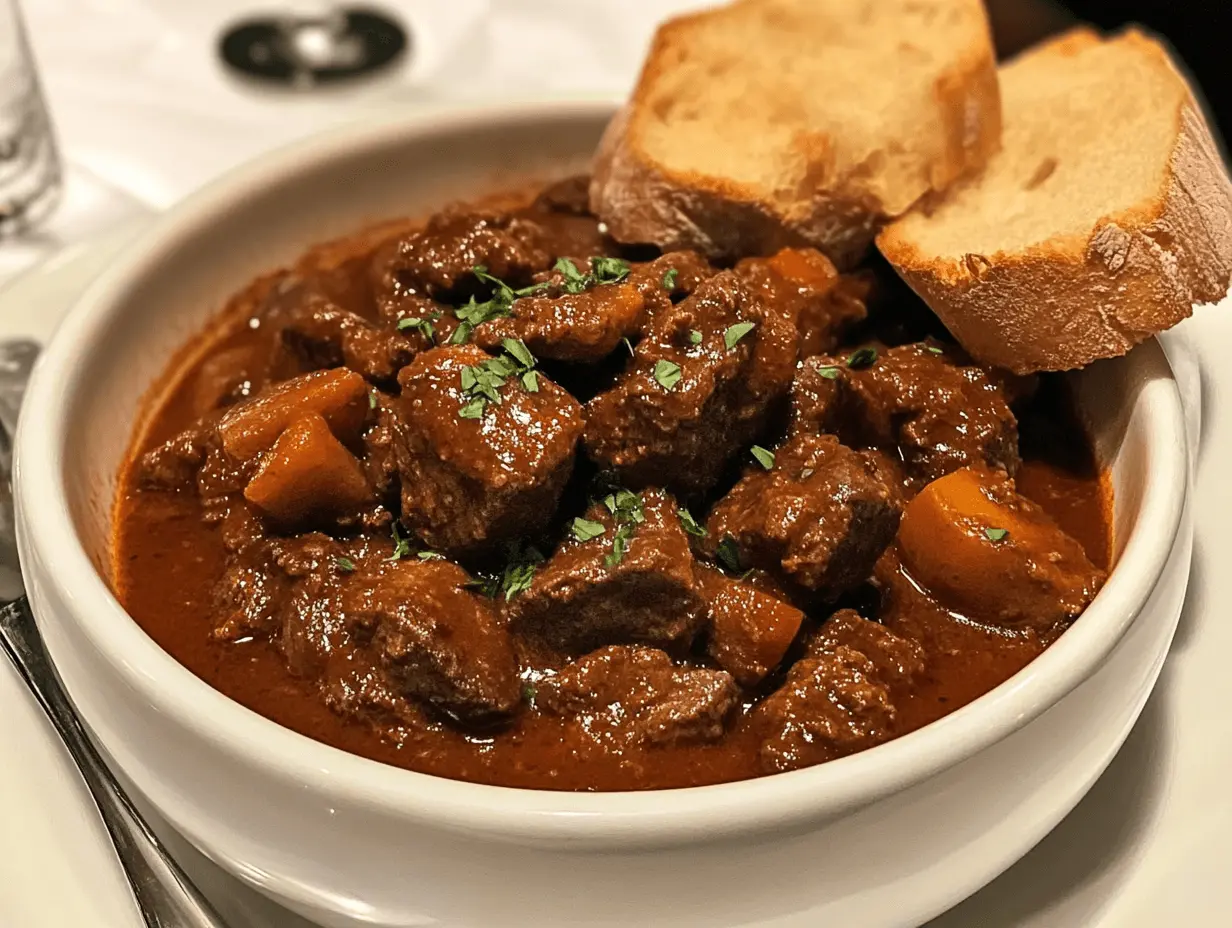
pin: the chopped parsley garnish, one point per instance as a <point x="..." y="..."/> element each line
<point x="575" y="281"/>
<point x="934" y="349"/>
<point x="426" y="325"/>
<point x="736" y="332"/>
<point x="481" y="383"/>
<point x="729" y="554"/>
<point x="473" y="410"/>
<point x="763" y="457"/>
<point x="517" y="349"/>
<point x="609" y="270"/>
<point x="402" y="546"/>
<point x="627" y="512"/>
<point x="828" y="371"/>
<point x="520" y="571"/>
<point x="430" y="556"/>
<point x="667" y="373"/>
<point x="629" y="345"/>
<point x="372" y="398"/>
<point x="515" y="578"/>
<point x="499" y="305"/>
<point x="344" y="564"/>
<point x="669" y="279"/>
<point x="695" y="337"/>
<point x="585" y="529"/>
<point x="862" y="357"/>
<point x="528" y="693"/>
<point x="996" y="534"/>
<point x="689" y="524"/>
<point x="603" y="270"/>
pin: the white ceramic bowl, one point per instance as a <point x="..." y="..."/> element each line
<point x="349" y="841"/>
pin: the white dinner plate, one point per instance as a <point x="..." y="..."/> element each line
<point x="926" y="848"/>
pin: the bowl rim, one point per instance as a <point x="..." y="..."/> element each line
<point x="647" y="818"/>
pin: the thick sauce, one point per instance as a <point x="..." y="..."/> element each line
<point x="168" y="561"/>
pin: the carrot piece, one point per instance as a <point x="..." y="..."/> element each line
<point x="308" y="475"/>
<point x="339" y="395"/>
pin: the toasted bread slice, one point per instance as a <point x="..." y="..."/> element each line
<point x="1104" y="218"/>
<point x="770" y="123"/>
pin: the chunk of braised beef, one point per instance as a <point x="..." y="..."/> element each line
<point x="283" y="590"/>
<point x="822" y="515"/>
<point x="437" y="642"/>
<point x="318" y="335"/>
<point x="580" y="327"/>
<point x="639" y="694"/>
<point x="475" y="473"/>
<point x="438" y="262"/>
<point x="898" y="659"/>
<point x="830" y="705"/>
<point x="174" y="464"/>
<point x="670" y="278"/>
<point x="925" y="399"/>
<point x="379" y="445"/>
<point x="625" y="577"/>
<point x="570" y="195"/>
<point x="231" y="375"/>
<point x="750" y="630"/>
<point x="823" y="305"/>
<point x="361" y="689"/>
<point x="703" y="383"/>
<point x="397" y="297"/>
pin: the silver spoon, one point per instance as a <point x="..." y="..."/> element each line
<point x="165" y="895"/>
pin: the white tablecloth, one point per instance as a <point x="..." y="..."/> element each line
<point x="145" y="111"/>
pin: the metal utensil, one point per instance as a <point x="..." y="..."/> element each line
<point x="164" y="894"/>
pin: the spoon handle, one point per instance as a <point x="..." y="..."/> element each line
<point x="164" y="893"/>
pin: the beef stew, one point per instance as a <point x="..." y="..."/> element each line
<point x="498" y="499"/>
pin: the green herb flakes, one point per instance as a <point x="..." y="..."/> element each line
<point x="669" y="279"/>
<point x="426" y="325"/>
<point x="736" y="332"/>
<point x="933" y="349"/>
<point x="585" y="529"/>
<point x="695" y="337"/>
<point x="629" y="345"/>
<point x="575" y="281"/>
<point x="628" y="513"/>
<point x="996" y="534"/>
<point x="763" y="457"/>
<point x="516" y="348"/>
<point x="729" y="554"/>
<point x="430" y="556"/>
<point x="828" y="371"/>
<point x="344" y="564"/>
<point x="481" y="383"/>
<point x="474" y="409"/>
<point x="667" y="374"/>
<point x="690" y="525"/>
<point x="372" y="398"/>
<point x="520" y="571"/>
<point x="609" y="270"/>
<point x="402" y="546"/>
<point x="862" y="357"/>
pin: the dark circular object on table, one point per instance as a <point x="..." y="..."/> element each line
<point x="301" y="52"/>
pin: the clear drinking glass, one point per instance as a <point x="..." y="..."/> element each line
<point x="29" y="162"/>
